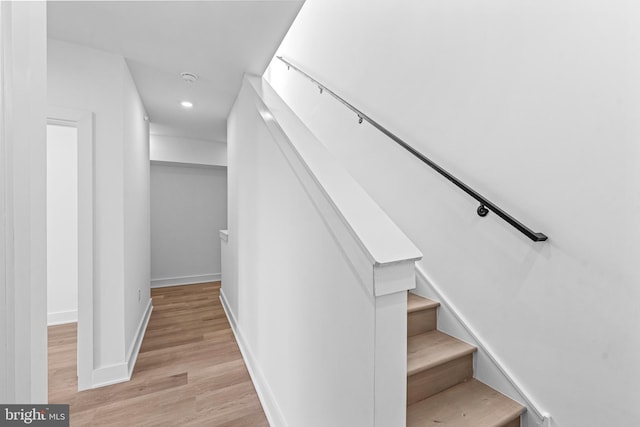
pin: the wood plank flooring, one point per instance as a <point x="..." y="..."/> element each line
<point x="189" y="371"/>
<point x="440" y="387"/>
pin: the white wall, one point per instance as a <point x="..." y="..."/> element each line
<point x="173" y="149"/>
<point x="62" y="224"/>
<point x="91" y="80"/>
<point x="533" y="104"/>
<point x="137" y="217"/>
<point x="23" y="305"/>
<point x="189" y="207"/>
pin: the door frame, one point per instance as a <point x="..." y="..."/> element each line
<point x="83" y="121"/>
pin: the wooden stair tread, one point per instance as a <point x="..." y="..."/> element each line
<point x="424" y="351"/>
<point x="417" y="303"/>
<point x="469" y="404"/>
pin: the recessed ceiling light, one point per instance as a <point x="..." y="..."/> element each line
<point x="186" y="104"/>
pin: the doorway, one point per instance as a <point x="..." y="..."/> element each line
<point x="70" y="231"/>
<point x="62" y="256"/>
<point x="62" y="224"/>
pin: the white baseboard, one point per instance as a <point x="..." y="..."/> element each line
<point x="267" y="399"/>
<point x="108" y="375"/>
<point x="187" y="164"/>
<point x="121" y="372"/>
<point x="62" y="317"/>
<point x="494" y="371"/>
<point x="132" y="357"/>
<point x="185" y="280"/>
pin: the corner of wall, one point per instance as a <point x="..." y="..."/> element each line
<point x="134" y="346"/>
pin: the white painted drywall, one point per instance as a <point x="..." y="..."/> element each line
<point x="137" y="218"/>
<point x="188" y="208"/>
<point x="99" y="82"/>
<point x="91" y="80"/>
<point x="282" y="313"/>
<point x="23" y="342"/>
<point x="62" y="224"/>
<point x="173" y="149"/>
<point x="533" y="104"/>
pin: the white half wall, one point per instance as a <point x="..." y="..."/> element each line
<point x="188" y="208"/>
<point x="62" y="224"/>
<point x="173" y="149"/>
<point x="315" y="276"/>
<point x="535" y="105"/>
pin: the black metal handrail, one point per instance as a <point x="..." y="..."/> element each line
<point x="485" y="204"/>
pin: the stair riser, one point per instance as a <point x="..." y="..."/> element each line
<point x="514" y="423"/>
<point x="422" y="321"/>
<point x="427" y="383"/>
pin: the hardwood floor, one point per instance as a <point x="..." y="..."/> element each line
<point x="189" y="371"/>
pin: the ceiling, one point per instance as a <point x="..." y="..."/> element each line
<point x="217" y="40"/>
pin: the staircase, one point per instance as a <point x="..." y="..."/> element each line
<point x="441" y="390"/>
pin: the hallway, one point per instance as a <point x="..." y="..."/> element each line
<point x="189" y="370"/>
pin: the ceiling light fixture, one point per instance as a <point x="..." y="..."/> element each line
<point x="189" y="77"/>
<point x="186" y="104"/>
